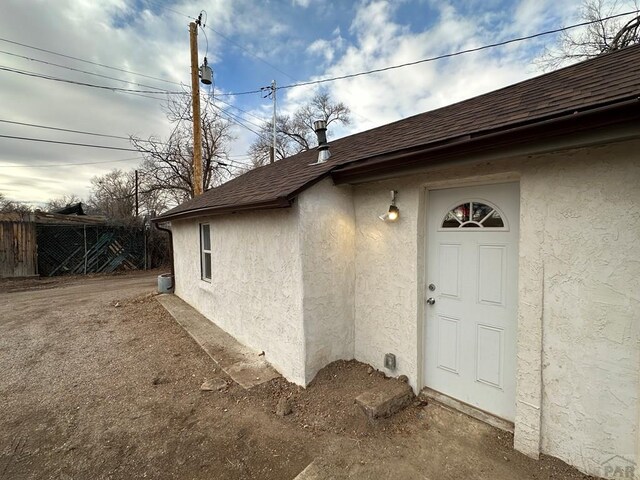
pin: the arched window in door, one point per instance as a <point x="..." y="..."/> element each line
<point x="474" y="214"/>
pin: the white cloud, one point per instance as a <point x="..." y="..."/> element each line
<point x="108" y="32"/>
<point x="155" y="42"/>
<point x="381" y="41"/>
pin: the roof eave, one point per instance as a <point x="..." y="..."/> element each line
<point x="574" y="121"/>
<point x="279" y="202"/>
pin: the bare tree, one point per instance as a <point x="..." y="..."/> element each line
<point x="602" y="36"/>
<point x="295" y="133"/>
<point x="168" y="166"/>
<point x="10" y="206"/>
<point x="114" y="196"/>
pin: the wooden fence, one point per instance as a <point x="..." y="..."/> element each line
<point x="18" y="256"/>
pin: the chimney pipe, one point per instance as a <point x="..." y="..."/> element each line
<point x="320" y="127"/>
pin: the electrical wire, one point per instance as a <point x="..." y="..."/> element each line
<point x="233" y="114"/>
<point x="106" y="147"/>
<point x="81" y="132"/>
<point x="320" y="81"/>
<point x="84" y="84"/>
<point x="234" y="118"/>
<point x="87" y="61"/>
<point x="438" y="57"/>
<point x="233" y="94"/>
<point x="81" y="71"/>
<point x="237" y="120"/>
<point x="455" y="54"/>
<point x="63" y="129"/>
<point x="239" y="117"/>
<point x="232" y="42"/>
<point x="71" y="164"/>
<point x="257" y="57"/>
<point x="164" y="7"/>
<point x="202" y="25"/>
<point x="243" y="111"/>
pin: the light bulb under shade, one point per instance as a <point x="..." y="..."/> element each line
<point x="393" y="213"/>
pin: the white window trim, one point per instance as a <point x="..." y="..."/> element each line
<point x="505" y="221"/>
<point x="204" y="251"/>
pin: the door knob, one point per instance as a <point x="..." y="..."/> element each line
<point x="431" y="300"/>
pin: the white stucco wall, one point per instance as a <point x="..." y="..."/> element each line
<point x="256" y="289"/>
<point x="282" y="280"/>
<point x="327" y="279"/>
<point x="387" y="278"/>
<point x="579" y="293"/>
<point x="587" y="226"/>
<point x="327" y="247"/>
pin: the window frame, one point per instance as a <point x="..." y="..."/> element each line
<point x="492" y="205"/>
<point x="204" y="252"/>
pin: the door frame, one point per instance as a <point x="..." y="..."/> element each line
<point x="527" y="424"/>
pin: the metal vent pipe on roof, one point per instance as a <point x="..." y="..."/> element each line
<point x="320" y="127"/>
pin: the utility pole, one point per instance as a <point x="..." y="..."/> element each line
<point x="137" y="204"/>
<point x="195" y="103"/>
<point x="273" y="147"/>
<point x="272" y="92"/>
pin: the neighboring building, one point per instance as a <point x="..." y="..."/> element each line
<point x="509" y="282"/>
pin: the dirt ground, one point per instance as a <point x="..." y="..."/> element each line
<point x="98" y="381"/>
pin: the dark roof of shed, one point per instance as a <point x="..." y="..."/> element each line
<point x="607" y="79"/>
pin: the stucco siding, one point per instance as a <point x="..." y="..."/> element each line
<point x="588" y="204"/>
<point x="327" y="247"/>
<point x="326" y="279"/>
<point x="579" y="283"/>
<point x="256" y="290"/>
<point x="387" y="278"/>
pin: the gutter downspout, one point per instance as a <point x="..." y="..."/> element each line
<point x="173" y="273"/>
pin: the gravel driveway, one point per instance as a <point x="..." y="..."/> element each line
<point x="98" y="381"/>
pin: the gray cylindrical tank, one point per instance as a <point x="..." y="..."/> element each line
<point x="165" y="283"/>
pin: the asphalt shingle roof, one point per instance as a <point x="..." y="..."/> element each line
<point x="609" y="78"/>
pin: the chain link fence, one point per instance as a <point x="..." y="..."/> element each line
<point x="82" y="249"/>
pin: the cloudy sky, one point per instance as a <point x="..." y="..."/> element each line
<point x="248" y="44"/>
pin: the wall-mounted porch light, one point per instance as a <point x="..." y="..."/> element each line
<point x="394" y="212"/>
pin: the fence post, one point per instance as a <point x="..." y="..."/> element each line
<point x="85" y="248"/>
<point x="144" y="234"/>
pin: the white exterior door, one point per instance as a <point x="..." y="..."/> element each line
<point x="471" y="311"/>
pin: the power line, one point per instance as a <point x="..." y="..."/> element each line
<point x="237" y="116"/>
<point x="71" y="164"/>
<point x="257" y="57"/>
<point x="164" y="7"/>
<point x="106" y="147"/>
<point x="47" y="127"/>
<point x="455" y="54"/>
<point x="81" y="71"/>
<point x="63" y="129"/>
<point x="87" y="61"/>
<point x="84" y="84"/>
<point x="240" y="109"/>
<point x="235" y="119"/>
<point x="233" y="94"/>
